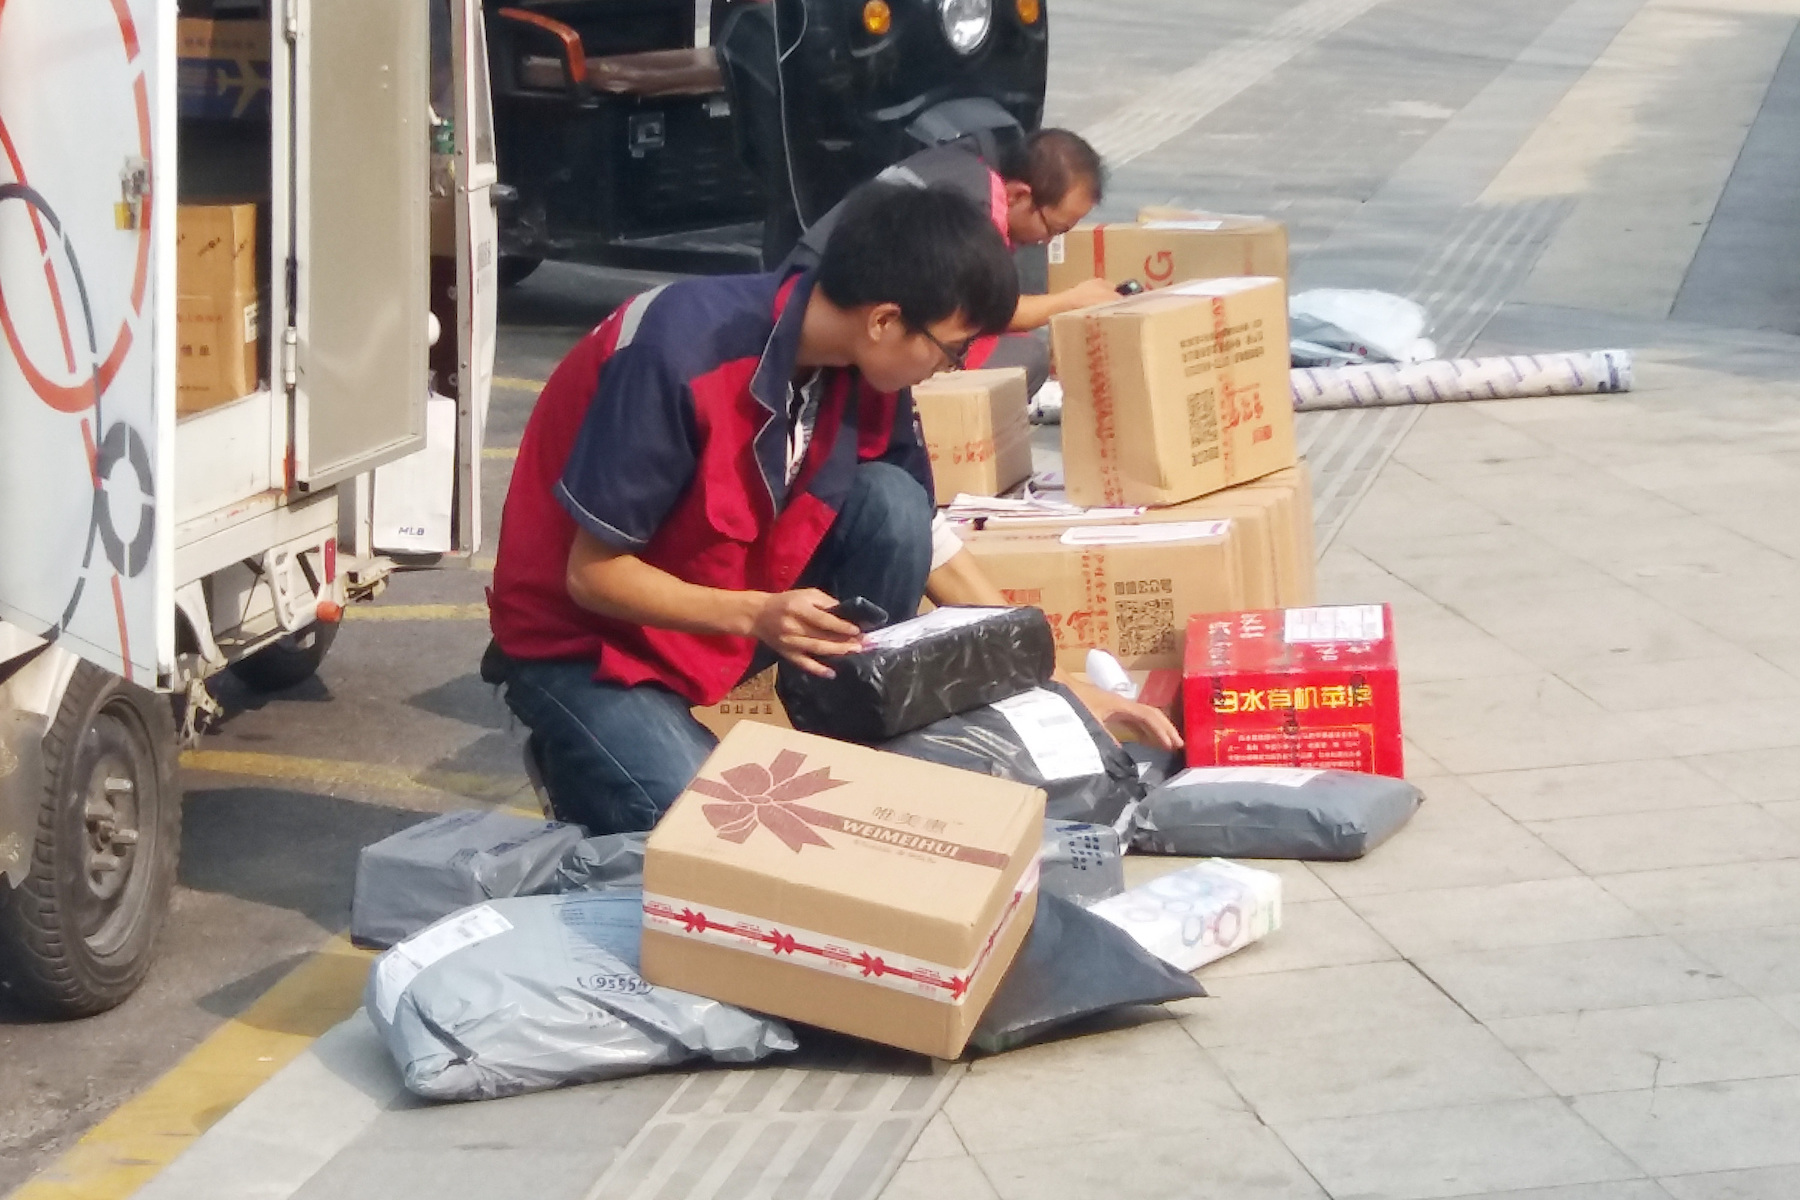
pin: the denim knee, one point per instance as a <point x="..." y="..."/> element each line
<point x="892" y="512"/>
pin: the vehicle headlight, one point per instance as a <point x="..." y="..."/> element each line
<point x="966" y="22"/>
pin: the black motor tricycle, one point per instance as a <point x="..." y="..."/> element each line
<point x="624" y="143"/>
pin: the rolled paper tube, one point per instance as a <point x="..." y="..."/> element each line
<point x="1450" y="380"/>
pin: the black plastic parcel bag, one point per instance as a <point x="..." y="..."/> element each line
<point x="1044" y="737"/>
<point x="1073" y="965"/>
<point x="520" y="995"/>
<point x="408" y="880"/>
<point x="919" y="671"/>
<point x="1081" y="862"/>
<point x="1273" y="812"/>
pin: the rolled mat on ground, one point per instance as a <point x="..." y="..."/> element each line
<point x="1045" y="737"/>
<point x="1273" y="812"/>
<point x="1447" y="380"/>
<point x="919" y="671"/>
<point x="520" y="995"/>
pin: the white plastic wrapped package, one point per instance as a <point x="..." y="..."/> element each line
<point x="1338" y="326"/>
<point x="408" y="880"/>
<point x="1192" y="917"/>
<point x="1273" y="812"/>
<point x="520" y="995"/>
<point x="1445" y="380"/>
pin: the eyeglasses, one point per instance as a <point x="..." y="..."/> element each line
<point x="956" y="356"/>
<point x="1051" y="232"/>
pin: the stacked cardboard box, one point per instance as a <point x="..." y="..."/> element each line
<point x="217" y="316"/>
<point x="1169" y="246"/>
<point x="977" y="431"/>
<point x="1177" y="394"/>
<point x="222" y="69"/>
<point x="752" y="700"/>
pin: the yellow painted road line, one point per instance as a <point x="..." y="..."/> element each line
<point x="482" y="562"/>
<point x="499" y="452"/>
<point x="353" y="776"/>
<point x="509" y="383"/>
<point x="146" y="1133"/>
<point x="416" y="612"/>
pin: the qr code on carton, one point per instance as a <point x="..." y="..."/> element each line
<point x="1146" y="626"/>
<point x="1203" y="426"/>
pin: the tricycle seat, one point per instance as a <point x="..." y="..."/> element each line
<point x="650" y="73"/>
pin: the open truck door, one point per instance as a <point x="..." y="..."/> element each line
<point x="477" y="231"/>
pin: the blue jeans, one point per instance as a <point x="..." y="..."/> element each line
<point x="614" y="757"/>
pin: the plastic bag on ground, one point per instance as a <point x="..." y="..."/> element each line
<point x="537" y="992"/>
<point x="1192" y="917"/>
<point x="1073" y="965"/>
<point x="1332" y="327"/>
<point x="1081" y="862"/>
<point x="1273" y="812"/>
<point x="1045" y="737"/>
<point x="407" y="881"/>
<point x="922" y="670"/>
<point x="610" y="860"/>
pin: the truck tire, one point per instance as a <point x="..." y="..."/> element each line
<point x="516" y="269"/>
<point x="292" y="660"/>
<point x="77" y="936"/>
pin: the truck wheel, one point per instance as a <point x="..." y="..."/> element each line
<point x="515" y="269"/>
<point x="76" y="937"/>
<point x="294" y="659"/>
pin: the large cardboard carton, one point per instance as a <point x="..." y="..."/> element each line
<point x="977" y="430"/>
<point x="752" y="700"/>
<point x="1298" y="687"/>
<point x="1166" y="247"/>
<point x="1175" y="395"/>
<point x="217" y="317"/>
<point x="1290" y="491"/>
<point x="222" y="69"/>
<point x="1126" y="589"/>
<point x="836" y="885"/>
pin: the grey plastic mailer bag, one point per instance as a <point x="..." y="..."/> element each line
<point x="919" y="671"/>
<point x="407" y="881"/>
<point x="1080" y="862"/>
<point x="1044" y="737"/>
<point x="1273" y="812"/>
<point x="521" y="995"/>
<point x="1073" y="965"/>
<point x="608" y="860"/>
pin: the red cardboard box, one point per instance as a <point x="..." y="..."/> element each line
<point x="1296" y="687"/>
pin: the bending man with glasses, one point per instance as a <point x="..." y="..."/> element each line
<point x="710" y="472"/>
<point x="1040" y="188"/>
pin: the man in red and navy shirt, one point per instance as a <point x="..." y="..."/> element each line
<point x="710" y="471"/>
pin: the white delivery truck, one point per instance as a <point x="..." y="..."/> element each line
<point x="241" y="244"/>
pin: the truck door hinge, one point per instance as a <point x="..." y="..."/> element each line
<point x="290" y="20"/>
<point x="290" y="353"/>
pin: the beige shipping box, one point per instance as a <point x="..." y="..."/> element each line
<point x="1126" y="589"/>
<point x="217" y="319"/>
<point x="752" y="700"/>
<point x="977" y="430"/>
<point x="833" y="884"/>
<point x="1166" y="247"/>
<point x="1290" y="489"/>
<point x="1172" y="396"/>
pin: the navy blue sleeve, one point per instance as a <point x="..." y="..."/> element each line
<point x="906" y="444"/>
<point x="636" y="453"/>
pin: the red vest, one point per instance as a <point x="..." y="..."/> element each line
<point x="737" y="525"/>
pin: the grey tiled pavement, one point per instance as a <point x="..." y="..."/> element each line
<point x="1576" y="974"/>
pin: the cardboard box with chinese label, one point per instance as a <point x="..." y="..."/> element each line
<point x="1177" y="394"/>
<point x="1297" y="687"/>
<point x="1166" y="247"/>
<point x="833" y="884"/>
<point x="222" y="69"/>
<point x="752" y="700"/>
<point x="217" y="317"/>
<point x="977" y="431"/>
<point x="1125" y="589"/>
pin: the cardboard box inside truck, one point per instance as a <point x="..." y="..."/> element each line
<point x="217" y="316"/>
<point x="1174" y="395"/>
<point x="977" y="430"/>
<point x="833" y="884"/>
<point x="1126" y="589"/>
<point x="1166" y="247"/>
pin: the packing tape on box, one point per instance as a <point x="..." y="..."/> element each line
<point x="872" y="964"/>
<point x="1449" y="380"/>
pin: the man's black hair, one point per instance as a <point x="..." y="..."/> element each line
<point x="1051" y="162"/>
<point x="931" y="251"/>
